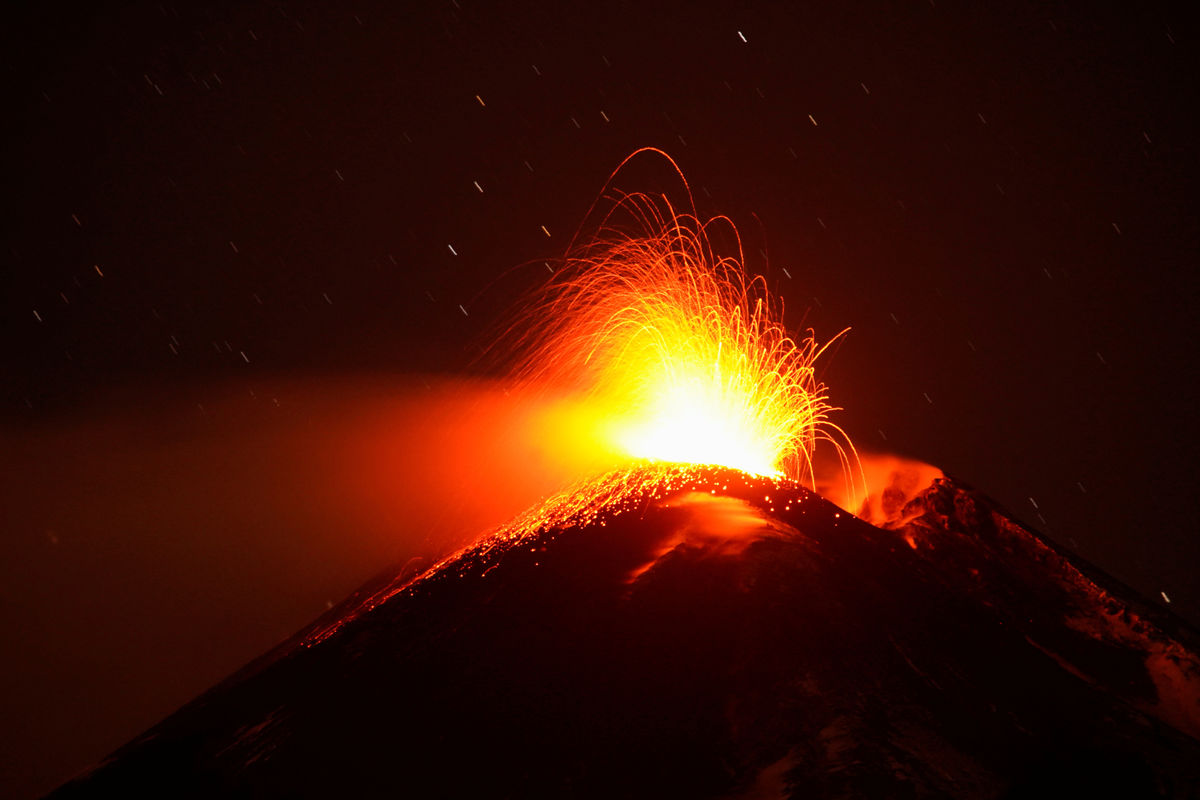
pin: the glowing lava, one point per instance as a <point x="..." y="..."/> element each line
<point x="685" y="353"/>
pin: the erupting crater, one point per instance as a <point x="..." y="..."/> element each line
<point x="698" y="621"/>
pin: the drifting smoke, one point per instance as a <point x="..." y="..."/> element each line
<point x="683" y="356"/>
<point x="888" y="483"/>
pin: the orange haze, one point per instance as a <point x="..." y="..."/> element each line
<point x="161" y="538"/>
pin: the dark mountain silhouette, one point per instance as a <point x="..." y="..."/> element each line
<point x="698" y="632"/>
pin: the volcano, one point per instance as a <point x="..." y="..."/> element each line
<point x="701" y="632"/>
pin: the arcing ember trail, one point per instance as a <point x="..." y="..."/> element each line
<point x="685" y="357"/>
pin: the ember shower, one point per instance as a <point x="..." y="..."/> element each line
<point x="681" y="354"/>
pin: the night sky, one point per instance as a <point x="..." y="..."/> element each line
<point x="244" y="240"/>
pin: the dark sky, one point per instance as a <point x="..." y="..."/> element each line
<point x="228" y="206"/>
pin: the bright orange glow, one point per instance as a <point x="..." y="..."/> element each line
<point x="686" y="354"/>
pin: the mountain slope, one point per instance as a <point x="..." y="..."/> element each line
<point x="699" y="632"/>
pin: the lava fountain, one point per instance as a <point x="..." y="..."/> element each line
<point x="684" y="354"/>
